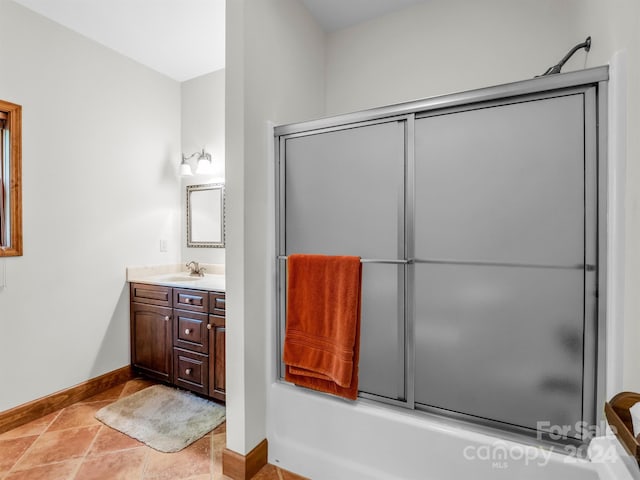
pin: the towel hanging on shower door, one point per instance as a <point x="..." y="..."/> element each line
<point x="322" y="340"/>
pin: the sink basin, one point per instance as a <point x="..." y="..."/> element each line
<point x="177" y="277"/>
<point x="212" y="282"/>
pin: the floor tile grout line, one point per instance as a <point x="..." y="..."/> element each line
<point x="75" y="471"/>
<point x="44" y="428"/>
<point x="95" y="401"/>
<point x="12" y="469"/>
<point x="212" y="456"/>
<point x="57" y="414"/>
<point x="86" y="453"/>
<point x="46" y="431"/>
<point x="99" y="424"/>
<point x="47" y="425"/>
<point x="39" y="435"/>
<point x="145" y="463"/>
<point x="41" y="465"/>
<point x="146" y="448"/>
<point x="114" y="452"/>
<point x="102" y="426"/>
<point x="76" y="426"/>
<point x="80" y="460"/>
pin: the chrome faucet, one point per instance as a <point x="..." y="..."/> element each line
<point x="195" y="269"/>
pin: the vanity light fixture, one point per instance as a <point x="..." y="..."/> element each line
<point x="185" y="168"/>
<point x="204" y="163"/>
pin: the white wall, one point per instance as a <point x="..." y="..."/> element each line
<point x="434" y="48"/>
<point x="445" y="46"/>
<point x="202" y="126"/>
<point x="101" y="135"/>
<point x="618" y="24"/>
<point x="275" y="72"/>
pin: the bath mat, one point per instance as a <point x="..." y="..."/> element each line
<point x="163" y="418"/>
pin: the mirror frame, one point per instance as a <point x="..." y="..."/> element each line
<point x="14" y="121"/>
<point x="196" y="188"/>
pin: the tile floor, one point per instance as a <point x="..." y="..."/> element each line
<point x="71" y="444"/>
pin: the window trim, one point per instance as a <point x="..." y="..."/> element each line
<point x="14" y="125"/>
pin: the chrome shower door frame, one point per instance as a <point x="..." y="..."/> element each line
<point x="593" y="84"/>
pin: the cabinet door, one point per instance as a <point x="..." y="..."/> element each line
<point x="151" y="343"/>
<point x="217" y="357"/>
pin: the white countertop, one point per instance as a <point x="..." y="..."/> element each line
<point x="172" y="276"/>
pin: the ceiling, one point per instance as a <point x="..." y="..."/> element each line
<point x="183" y="39"/>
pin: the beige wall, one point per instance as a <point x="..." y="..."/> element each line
<point x="101" y="135"/>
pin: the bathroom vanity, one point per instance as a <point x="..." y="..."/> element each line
<point x="178" y="333"/>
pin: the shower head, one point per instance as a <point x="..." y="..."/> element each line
<point x="556" y="68"/>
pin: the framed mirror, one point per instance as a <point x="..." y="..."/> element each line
<point x="205" y="215"/>
<point x="10" y="179"/>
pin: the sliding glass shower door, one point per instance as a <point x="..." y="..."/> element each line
<point x="503" y="216"/>
<point x="477" y="216"/>
<point x="345" y="196"/>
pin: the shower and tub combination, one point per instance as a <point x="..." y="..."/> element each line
<point x="480" y="221"/>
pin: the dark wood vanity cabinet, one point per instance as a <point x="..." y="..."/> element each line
<point x="178" y="336"/>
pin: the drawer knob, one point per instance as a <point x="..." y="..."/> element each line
<point x="209" y="326"/>
<point x="167" y="318"/>
<point x="187" y="300"/>
<point x="188" y="371"/>
<point x="187" y="331"/>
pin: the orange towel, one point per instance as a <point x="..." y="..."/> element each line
<point x="322" y="341"/>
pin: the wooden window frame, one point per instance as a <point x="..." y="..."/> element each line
<point x="13" y="121"/>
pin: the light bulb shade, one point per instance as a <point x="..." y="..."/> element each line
<point x="185" y="168"/>
<point x="204" y="165"/>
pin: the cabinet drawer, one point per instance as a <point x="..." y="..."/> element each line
<point x="193" y="300"/>
<point x="190" y="331"/>
<point x="191" y="370"/>
<point x="217" y="304"/>
<point x="151" y="294"/>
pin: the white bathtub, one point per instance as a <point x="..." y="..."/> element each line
<point x="329" y="439"/>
